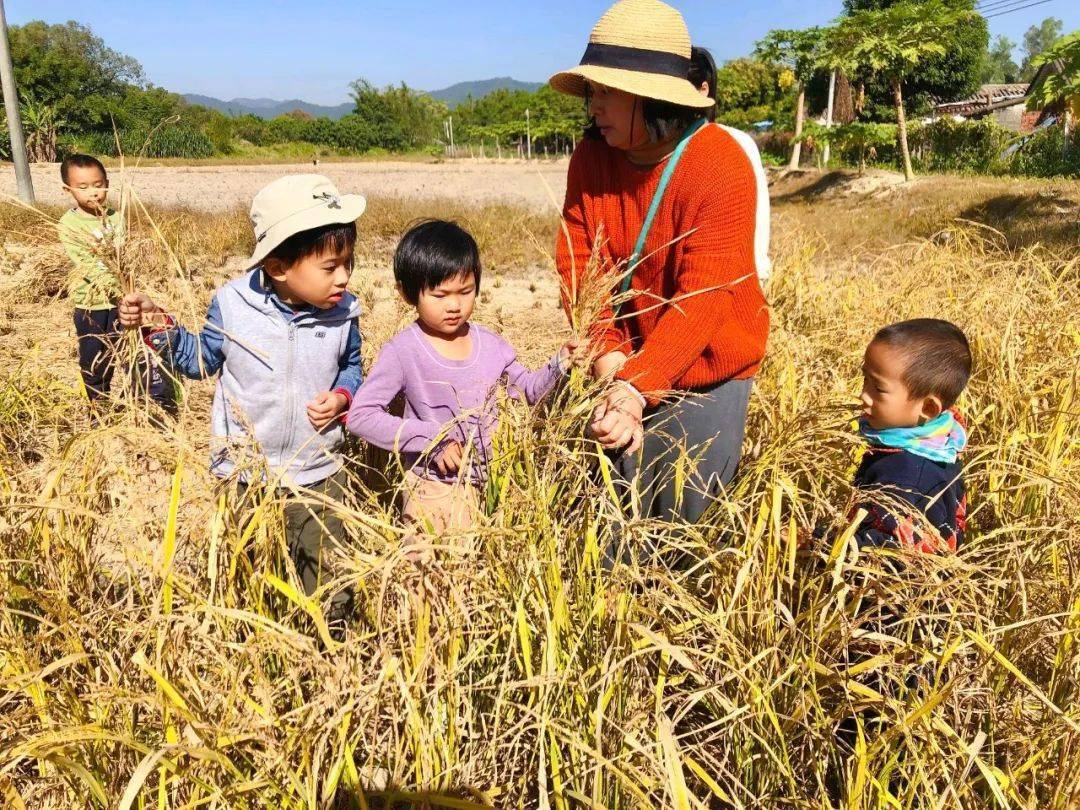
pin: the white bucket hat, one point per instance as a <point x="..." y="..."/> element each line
<point x="295" y="203"/>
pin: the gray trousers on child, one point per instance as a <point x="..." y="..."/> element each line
<point x="708" y="426"/>
<point x="309" y="530"/>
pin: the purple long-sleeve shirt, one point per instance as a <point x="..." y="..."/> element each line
<point x="445" y="400"/>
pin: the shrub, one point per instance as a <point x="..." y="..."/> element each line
<point x="947" y="145"/>
<point x="1044" y="155"/>
<point x="854" y="142"/>
<point x="252" y="129"/>
<point x="167" y="142"/>
<point x="775" y="144"/>
<point x="354" y="133"/>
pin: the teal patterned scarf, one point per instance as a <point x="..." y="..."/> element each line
<point x="941" y="439"/>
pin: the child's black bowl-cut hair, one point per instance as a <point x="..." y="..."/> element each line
<point x="431" y="252"/>
<point x="938" y="357"/>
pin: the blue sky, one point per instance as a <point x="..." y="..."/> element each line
<point x="312" y="50"/>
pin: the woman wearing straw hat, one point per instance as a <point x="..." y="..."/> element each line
<point x="672" y="202"/>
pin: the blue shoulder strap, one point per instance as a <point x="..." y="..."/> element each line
<point x="654" y="206"/>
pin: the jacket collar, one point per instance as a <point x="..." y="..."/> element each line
<point x="257" y="293"/>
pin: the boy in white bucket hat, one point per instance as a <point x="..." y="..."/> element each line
<point x="285" y="344"/>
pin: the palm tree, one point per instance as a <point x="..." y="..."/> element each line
<point x="892" y="42"/>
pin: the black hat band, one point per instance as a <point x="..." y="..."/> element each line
<point x="641" y="60"/>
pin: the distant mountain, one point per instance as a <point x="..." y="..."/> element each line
<point x="268" y="107"/>
<point x="457" y="93"/>
<point x="271" y="108"/>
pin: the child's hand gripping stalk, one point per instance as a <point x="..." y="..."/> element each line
<point x="327" y="407"/>
<point x="138" y="309"/>
<point x="449" y="461"/>
<point x="574" y="354"/>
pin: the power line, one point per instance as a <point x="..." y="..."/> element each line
<point x="989" y="5"/>
<point x="995" y="7"/>
<point x="1001" y="6"/>
<point x="992" y="4"/>
<point x="1021" y="8"/>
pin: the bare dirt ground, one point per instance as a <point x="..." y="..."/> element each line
<point x="222" y="187"/>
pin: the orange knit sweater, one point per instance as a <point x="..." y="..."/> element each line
<point x="704" y="319"/>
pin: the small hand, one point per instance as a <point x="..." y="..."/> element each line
<point x="449" y="461"/>
<point x="574" y="353"/>
<point x="326" y="408"/>
<point x="137" y="309"/>
<point x="616" y="422"/>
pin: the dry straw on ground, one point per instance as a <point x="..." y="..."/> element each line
<point x="155" y="649"/>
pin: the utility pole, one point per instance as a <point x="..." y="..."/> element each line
<point x="453" y="149"/>
<point x="528" y="134"/>
<point x="14" y="115"/>
<point x="828" y="115"/>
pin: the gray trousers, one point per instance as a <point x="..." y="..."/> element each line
<point x="308" y="527"/>
<point x="691" y="450"/>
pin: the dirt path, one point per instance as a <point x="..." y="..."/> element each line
<point x="218" y="187"/>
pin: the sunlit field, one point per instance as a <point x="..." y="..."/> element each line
<point x="155" y="648"/>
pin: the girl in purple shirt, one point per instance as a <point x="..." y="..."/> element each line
<point x="449" y="371"/>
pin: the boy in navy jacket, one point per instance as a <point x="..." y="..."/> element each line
<point x="910" y="479"/>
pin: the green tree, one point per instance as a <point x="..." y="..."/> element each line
<point x="797" y="51"/>
<point x="891" y="43"/>
<point x="751" y="90"/>
<point x="508" y="106"/>
<point x="70" y="70"/>
<point x="371" y="107"/>
<point x="251" y="128"/>
<point x="418" y="115"/>
<point x="555" y="119"/>
<point x="999" y="66"/>
<point x="952" y="74"/>
<point x="1037" y="39"/>
<point x="746" y="83"/>
<point x="1060" y="87"/>
<point x="143" y="108"/>
<point x="397" y="117"/>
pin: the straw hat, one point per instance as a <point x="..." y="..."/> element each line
<point x="641" y="47"/>
<point x="295" y="203"/>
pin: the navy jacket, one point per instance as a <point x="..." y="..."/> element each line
<point x="889" y="480"/>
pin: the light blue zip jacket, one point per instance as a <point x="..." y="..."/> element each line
<point x="272" y="363"/>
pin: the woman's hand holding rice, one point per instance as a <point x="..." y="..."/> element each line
<point x="616" y="422"/>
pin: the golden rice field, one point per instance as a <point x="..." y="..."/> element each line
<point x="155" y="651"/>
